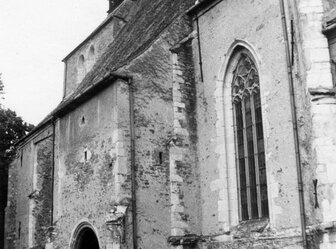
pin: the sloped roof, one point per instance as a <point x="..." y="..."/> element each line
<point x="150" y="20"/>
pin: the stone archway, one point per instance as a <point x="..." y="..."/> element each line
<point x="85" y="238"/>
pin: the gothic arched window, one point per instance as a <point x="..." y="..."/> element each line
<point x="249" y="140"/>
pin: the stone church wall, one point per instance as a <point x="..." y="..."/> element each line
<point x="73" y="75"/>
<point x="317" y="116"/>
<point x="255" y="25"/>
<point x="10" y="217"/>
<point x="95" y="45"/>
<point x="185" y="172"/>
<point x="29" y="207"/>
<point x="93" y="145"/>
<point x="92" y="150"/>
<point x="156" y="125"/>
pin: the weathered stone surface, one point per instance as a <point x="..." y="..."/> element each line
<point x="28" y="214"/>
<point x="11" y="209"/>
<point x="93" y="163"/>
<point x="95" y="45"/>
<point x="185" y="168"/>
<point x="42" y="194"/>
<point x="215" y="127"/>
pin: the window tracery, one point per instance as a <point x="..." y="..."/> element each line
<point x="249" y="140"/>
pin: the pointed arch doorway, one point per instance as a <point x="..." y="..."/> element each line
<point x="85" y="238"/>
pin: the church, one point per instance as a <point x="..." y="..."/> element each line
<point x="183" y="124"/>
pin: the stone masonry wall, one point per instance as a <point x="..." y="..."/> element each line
<point x="93" y="165"/>
<point x="29" y="206"/>
<point x="72" y="77"/>
<point x="42" y="192"/>
<point x="256" y="26"/>
<point x="185" y="194"/>
<point x="3" y="198"/>
<point x="99" y="42"/>
<point x="313" y="74"/>
<point x="25" y="186"/>
<point x="92" y="153"/>
<point x="152" y="73"/>
<point x="10" y="212"/>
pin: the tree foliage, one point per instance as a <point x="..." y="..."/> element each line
<point x="12" y="128"/>
<point x="1" y="88"/>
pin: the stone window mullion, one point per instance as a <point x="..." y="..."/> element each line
<point x="247" y="169"/>
<point x="256" y="155"/>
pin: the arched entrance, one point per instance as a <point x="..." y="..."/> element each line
<point x="85" y="238"/>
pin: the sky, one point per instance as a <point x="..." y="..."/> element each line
<point x="35" y="36"/>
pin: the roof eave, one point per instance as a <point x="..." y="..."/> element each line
<point x="88" y="94"/>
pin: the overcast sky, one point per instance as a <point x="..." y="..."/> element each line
<point x="35" y="36"/>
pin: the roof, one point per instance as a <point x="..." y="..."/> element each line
<point x="150" y="20"/>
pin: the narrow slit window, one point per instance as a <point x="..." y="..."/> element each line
<point x="21" y="158"/>
<point x="160" y="157"/>
<point x="19" y="230"/>
<point x="85" y="156"/>
<point x="249" y="139"/>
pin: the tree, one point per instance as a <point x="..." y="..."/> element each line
<point x="1" y="86"/>
<point x="12" y="128"/>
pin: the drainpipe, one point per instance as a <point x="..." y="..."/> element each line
<point x="133" y="187"/>
<point x="199" y="47"/>
<point x="295" y="126"/>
